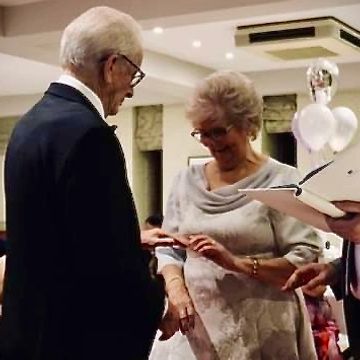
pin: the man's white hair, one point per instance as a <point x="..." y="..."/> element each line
<point x="98" y="33"/>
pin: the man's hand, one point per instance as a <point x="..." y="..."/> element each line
<point x="348" y="227"/>
<point x="311" y="276"/>
<point x="157" y="237"/>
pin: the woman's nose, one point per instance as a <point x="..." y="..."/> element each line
<point x="206" y="140"/>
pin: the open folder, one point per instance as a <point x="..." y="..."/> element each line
<point x="311" y="198"/>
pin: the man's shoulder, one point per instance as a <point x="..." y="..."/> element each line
<point x="54" y="124"/>
<point x="66" y="113"/>
<point x="58" y="116"/>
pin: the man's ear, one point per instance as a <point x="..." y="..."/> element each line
<point x="109" y="68"/>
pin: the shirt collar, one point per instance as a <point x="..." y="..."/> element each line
<point x="70" y="80"/>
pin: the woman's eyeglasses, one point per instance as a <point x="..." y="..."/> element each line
<point x="215" y="134"/>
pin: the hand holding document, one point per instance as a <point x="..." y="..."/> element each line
<point x="348" y="227"/>
<point x="311" y="199"/>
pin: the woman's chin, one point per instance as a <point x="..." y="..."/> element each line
<point x="225" y="164"/>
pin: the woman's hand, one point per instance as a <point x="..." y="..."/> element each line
<point x="180" y="307"/>
<point x="169" y="324"/>
<point x="211" y="249"/>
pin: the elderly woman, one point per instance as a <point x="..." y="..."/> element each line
<point x="224" y="293"/>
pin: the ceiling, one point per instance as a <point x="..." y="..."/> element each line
<point x="17" y="2"/>
<point x="31" y="31"/>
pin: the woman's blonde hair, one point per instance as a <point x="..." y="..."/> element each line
<point x="229" y="96"/>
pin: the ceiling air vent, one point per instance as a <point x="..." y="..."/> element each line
<point x="300" y="39"/>
<point x="300" y="33"/>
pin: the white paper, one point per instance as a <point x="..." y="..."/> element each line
<point x="338" y="181"/>
<point x="320" y="204"/>
<point x="284" y="201"/>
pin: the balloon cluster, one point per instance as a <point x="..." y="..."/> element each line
<point x="316" y="125"/>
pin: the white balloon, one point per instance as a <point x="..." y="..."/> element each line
<point x="316" y="125"/>
<point x="296" y="132"/>
<point x="346" y="125"/>
<point x="322" y="78"/>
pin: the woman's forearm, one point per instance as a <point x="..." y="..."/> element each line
<point x="273" y="271"/>
<point x="172" y="274"/>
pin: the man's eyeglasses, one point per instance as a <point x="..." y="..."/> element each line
<point x="139" y="74"/>
<point x="214" y="134"/>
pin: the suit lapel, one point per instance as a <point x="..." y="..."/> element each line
<point x="350" y="271"/>
<point x="346" y="255"/>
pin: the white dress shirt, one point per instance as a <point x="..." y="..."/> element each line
<point x="70" y="80"/>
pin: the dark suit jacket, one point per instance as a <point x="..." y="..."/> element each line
<point x="2" y="247"/>
<point x="77" y="283"/>
<point x="346" y="271"/>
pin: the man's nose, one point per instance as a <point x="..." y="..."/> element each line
<point x="130" y="93"/>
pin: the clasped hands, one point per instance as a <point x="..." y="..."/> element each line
<point x="200" y="243"/>
<point x="153" y="238"/>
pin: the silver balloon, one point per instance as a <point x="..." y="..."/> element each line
<point x="322" y="78"/>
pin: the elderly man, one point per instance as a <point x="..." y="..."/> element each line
<point x="77" y="283"/>
<point x="343" y="273"/>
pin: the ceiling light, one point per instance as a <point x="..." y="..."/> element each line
<point x="158" y="30"/>
<point x="229" y="55"/>
<point x="196" y="43"/>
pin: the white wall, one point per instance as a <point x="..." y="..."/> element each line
<point x="178" y="145"/>
<point x="17" y="105"/>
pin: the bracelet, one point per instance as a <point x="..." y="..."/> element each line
<point x="255" y="266"/>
